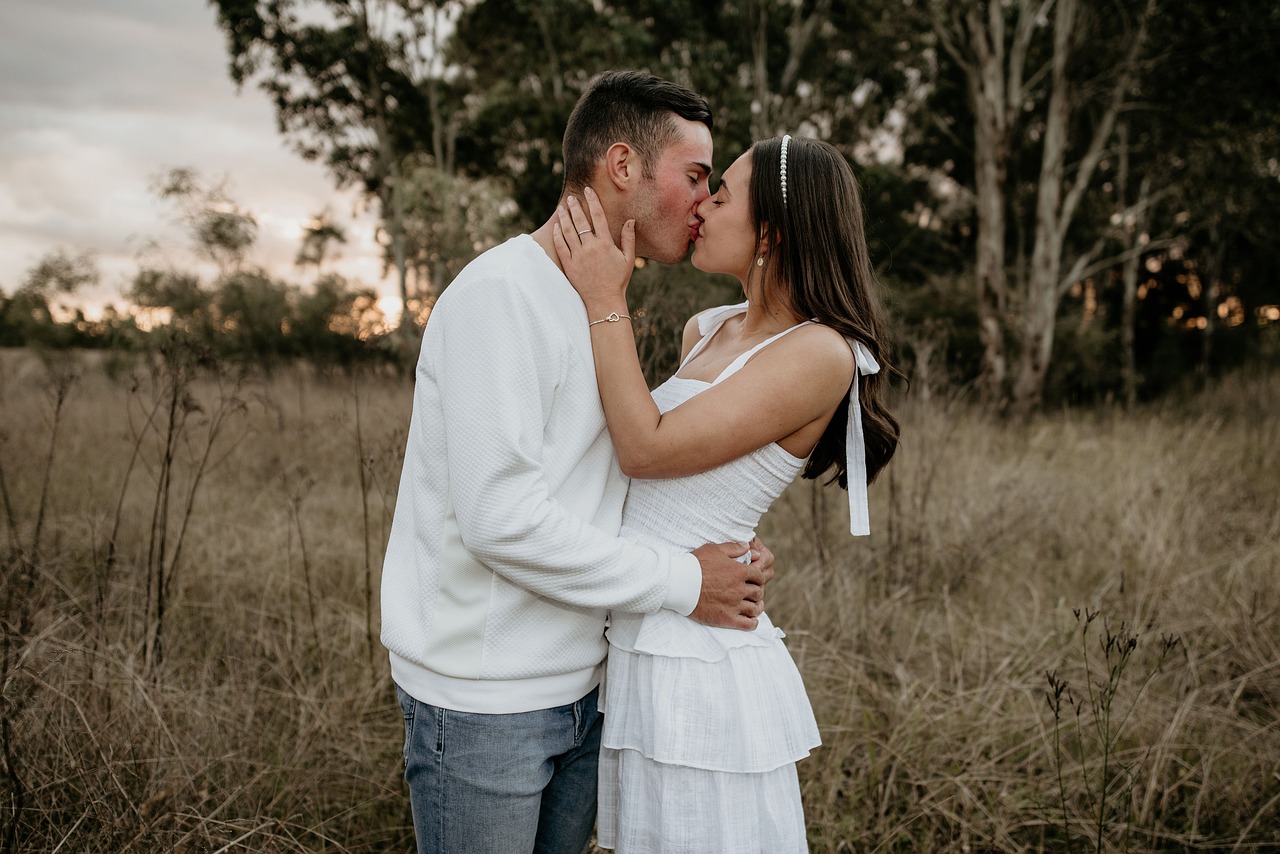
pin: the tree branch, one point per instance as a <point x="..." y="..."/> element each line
<point x="1102" y="132"/>
<point x="1083" y="269"/>
<point x="945" y="35"/>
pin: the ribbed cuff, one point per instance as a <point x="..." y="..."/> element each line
<point x="684" y="586"/>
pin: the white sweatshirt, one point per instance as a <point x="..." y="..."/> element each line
<point x="503" y="557"/>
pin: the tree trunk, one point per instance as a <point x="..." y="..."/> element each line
<point x="1041" y="305"/>
<point x="991" y="159"/>
<point x="800" y="32"/>
<point x="974" y="36"/>
<point x="391" y="207"/>
<point x="393" y="221"/>
<point x="1058" y="199"/>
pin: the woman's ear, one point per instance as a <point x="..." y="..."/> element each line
<point x="768" y="240"/>
<point x="621" y="165"/>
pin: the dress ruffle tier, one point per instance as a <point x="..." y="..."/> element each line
<point x="702" y="731"/>
<point x="681" y="693"/>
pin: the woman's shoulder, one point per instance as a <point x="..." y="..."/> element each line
<point x="823" y="340"/>
<point x="817" y="348"/>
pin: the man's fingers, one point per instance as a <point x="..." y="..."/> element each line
<point x="733" y="550"/>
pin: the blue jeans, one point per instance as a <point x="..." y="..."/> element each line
<point x="502" y="784"/>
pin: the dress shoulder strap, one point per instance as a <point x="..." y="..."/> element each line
<point x="737" y="364"/>
<point x="709" y="322"/>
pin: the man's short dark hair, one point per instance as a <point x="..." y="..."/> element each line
<point x="634" y="107"/>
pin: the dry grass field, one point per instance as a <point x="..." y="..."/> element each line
<point x="1063" y="635"/>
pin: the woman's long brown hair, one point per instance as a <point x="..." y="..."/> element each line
<point x="820" y="258"/>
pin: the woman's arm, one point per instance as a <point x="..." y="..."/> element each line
<point x="796" y="382"/>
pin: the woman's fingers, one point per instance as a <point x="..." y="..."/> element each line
<point x="563" y="251"/>
<point x="578" y="217"/>
<point x="598" y="218"/>
<point x="629" y="241"/>
<point x="565" y="219"/>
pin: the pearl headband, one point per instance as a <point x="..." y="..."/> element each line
<point x="786" y="138"/>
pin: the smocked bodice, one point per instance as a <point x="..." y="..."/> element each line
<point x="720" y="505"/>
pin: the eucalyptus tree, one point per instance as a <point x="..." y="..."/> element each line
<point x="1050" y="78"/>
<point x="404" y="97"/>
<point x="356" y="84"/>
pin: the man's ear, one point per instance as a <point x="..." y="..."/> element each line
<point x="621" y="165"/>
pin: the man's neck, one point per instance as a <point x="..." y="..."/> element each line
<point x="543" y="236"/>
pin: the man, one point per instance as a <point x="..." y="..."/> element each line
<point x="503" y="559"/>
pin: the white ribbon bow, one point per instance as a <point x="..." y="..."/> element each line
<point x="855" y="446"/>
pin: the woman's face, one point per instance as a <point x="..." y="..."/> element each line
<point x="726" y="241"/>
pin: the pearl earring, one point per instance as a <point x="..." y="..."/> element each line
<point x="760" y="261"/>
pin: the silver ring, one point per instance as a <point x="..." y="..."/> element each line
<point x="584" y="231"/>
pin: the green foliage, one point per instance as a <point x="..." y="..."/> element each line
<point x="27" y="317"/>
<point x="449" y="219"/>
<point x="181" y="293"/>
<point x="448" y="115"/>
<point x="220" y="230"/>
<point x="935" y="330"/>
<point x="317" y="236"/>
<point x="333" y="76"/>
<point x="253" y="311"/>
<point x="60" y="272"/>
<point x="331" y="322"/>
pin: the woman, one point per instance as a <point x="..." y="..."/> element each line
<point x="703" y="726"/>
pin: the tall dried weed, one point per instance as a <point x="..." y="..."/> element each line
<point x="268" y="723"/>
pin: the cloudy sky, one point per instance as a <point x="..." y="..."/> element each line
<point x="97" y="97"/>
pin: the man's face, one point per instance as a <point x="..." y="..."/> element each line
<point x="663" y="205"/>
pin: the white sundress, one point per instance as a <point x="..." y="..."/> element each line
<point x="703" y="726"/>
